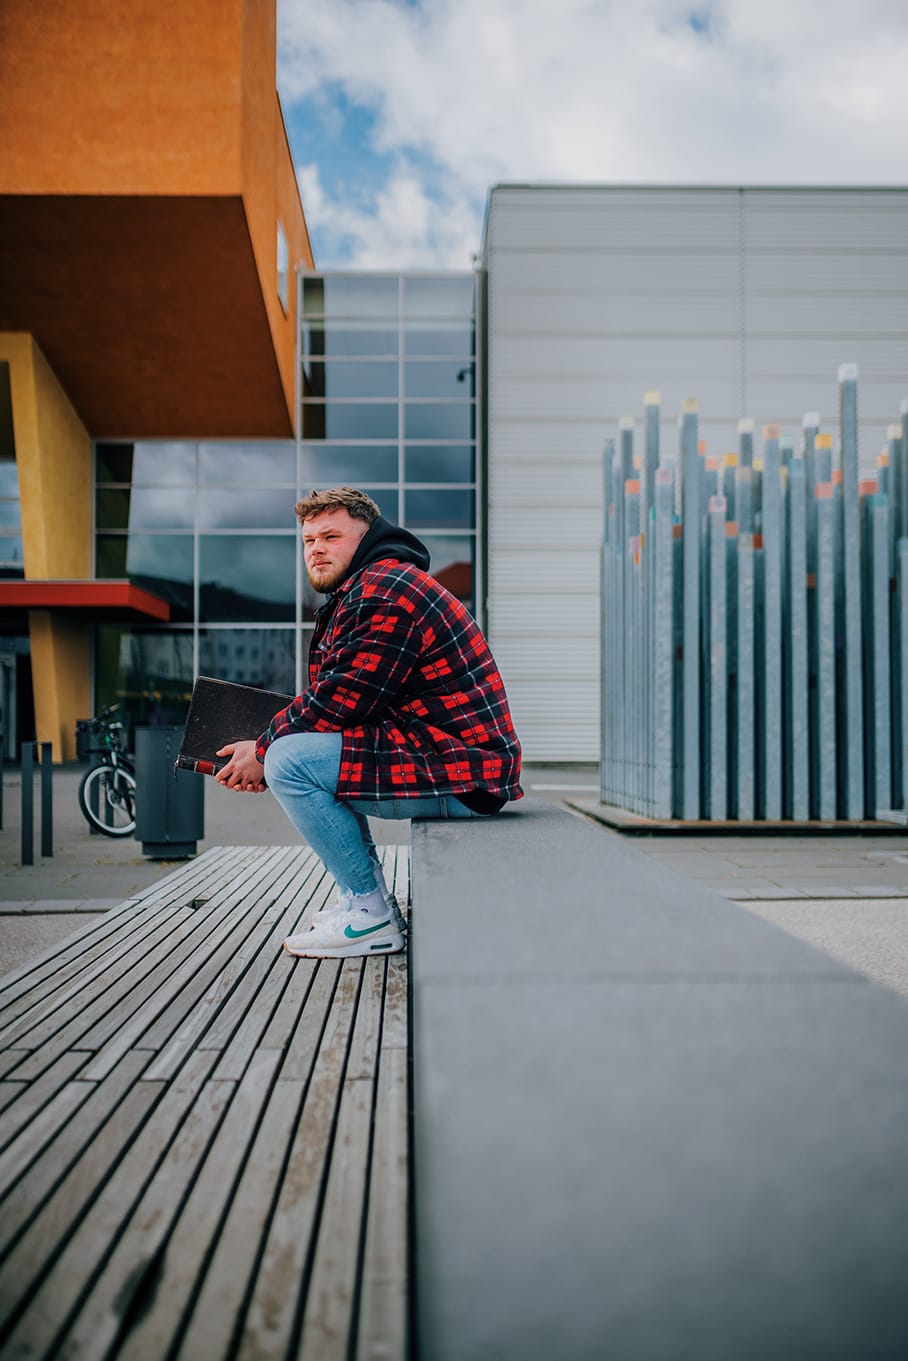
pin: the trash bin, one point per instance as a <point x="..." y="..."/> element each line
<point x="170" y="805"/>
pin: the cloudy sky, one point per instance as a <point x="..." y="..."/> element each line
<point x="402" y="113"/>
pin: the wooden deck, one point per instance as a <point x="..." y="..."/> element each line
<point x="203" y="1142"/>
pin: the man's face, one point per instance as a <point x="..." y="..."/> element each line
<point x="329" y="542"/>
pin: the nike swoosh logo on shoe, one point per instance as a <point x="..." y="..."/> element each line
<point x="352" y="934"/>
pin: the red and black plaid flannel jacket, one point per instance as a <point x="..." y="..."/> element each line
<point x="402" y="670"/>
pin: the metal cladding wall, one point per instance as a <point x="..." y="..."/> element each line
<point x="747" y="299"/>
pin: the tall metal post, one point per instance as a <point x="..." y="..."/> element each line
<point x="607" y="634"/>
<point x="690" y="518"/>
<point x="878" y="764"/>
<point x="652" y="415"/>
<point x="853" y="745"/>
<point x="727" y="481"/>
<point x="746" y="441"/>
<point x="772" y="703"/>
<point x="902" y="552"/>
<point x="28" y="804"/>
<point x="825" y="728"/>
<point x="744" y="500"/>
<point x="47" y="798"/>
<point x="745" y="733"/>
<point x="717" y="743"/>
<point x="663" y="643"/>
<point x="632" y="643"/>
<point x="797" y="739"/>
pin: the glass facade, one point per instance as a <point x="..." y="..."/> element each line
<point x="387" y="402"/>
<point x="11" y="560"/>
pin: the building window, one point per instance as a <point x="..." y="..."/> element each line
<point x="388" y="396"/>
<point x="388" y="403"/>
<point x="283" y="268"/>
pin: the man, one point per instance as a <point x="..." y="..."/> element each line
<point x="405" y="716"/>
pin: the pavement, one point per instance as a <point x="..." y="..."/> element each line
<point x="845" y="894"/>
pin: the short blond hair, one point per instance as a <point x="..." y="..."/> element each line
<point x="350" y="499"/>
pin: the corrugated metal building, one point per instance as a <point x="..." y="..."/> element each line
<point x="748" y="299"/>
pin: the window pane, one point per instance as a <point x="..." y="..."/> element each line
<point x="9" y="477"/>
<point x="145" y="508"/>
<point x="321" y="341"/>
<point x="156" y="465"/>
<point x="334" y="464"/>
<point x="453" y="563"/>
<point x="447" y="297"/>
<point x="334" y="420"/>
<point x="351" y="296"/>
<point x="11" y="556"/>
<point x="429" y="338"/>
<point x="248" y="508"/>
<point x="438" y="421"/>
<point x="160" y="562"/>
<point x="444" y="509"/>
<point x="248" y="464"/>
<point x="113" y="462"/>
<point x="148" y="672"/>
<point x="349" y="379"/>
<point x="260" y="657"/>
<point x="450" y="379"/>
<point x="439" y="463"/>
<point x="247" y="576"/>
<point x="10" y="514"/>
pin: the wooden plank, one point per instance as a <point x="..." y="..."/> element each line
<point x="383" y="1311"/>
<point x="48" y="1232"/>
<point x="304" y="1043"/>
<point x="9" y="1091"/>
<point x="172" y="891"/>
<point x="219" y="1308"/>
<point x="44" y="1002"/>
<point x="332" y="1289"/>
<point x="395" y="1024"/>
<point x="156" y="1327"/>
<point x="93" y="945"/>
<point x="132" y="1272"/>
<point x="281" y="1280"/>
<point x="20" y="1112"/>
<point x="333" y="1286"/>
<point x="159" y="1014"/>
<point x="89" y="1246"/>
<point x="218" y="1311"/>
<point x="127" y="962"/>
<point x="28" y="1193"/>
<point x="249" y="989"/>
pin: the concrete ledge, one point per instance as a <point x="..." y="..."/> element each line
<point x="637" y="824"/>
<point x="646" y="1123"/>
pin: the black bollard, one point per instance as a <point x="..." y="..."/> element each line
<point x="47" y="798"/>
<point x="28" y="803"/>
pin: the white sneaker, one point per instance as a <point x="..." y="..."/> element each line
<point x="344" y="931"/>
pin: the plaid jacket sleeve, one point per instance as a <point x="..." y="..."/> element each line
<point x="360" y="674"/>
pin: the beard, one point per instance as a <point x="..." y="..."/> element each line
<point x="325" y="579"/>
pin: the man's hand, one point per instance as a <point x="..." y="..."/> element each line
<point x="243" y="771"/>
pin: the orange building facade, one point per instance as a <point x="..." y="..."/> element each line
<point x="150" y="233"/>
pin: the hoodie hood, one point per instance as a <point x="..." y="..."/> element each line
<point x="384" y="540"/>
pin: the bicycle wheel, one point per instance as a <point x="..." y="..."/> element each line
<point x="113" y="794"/>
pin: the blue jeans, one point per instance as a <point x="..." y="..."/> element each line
<point x="302" y="771"/>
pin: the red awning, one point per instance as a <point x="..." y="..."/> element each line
<point x="88" y="599"/>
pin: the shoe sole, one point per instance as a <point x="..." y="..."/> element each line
<point x="389" y="946"/>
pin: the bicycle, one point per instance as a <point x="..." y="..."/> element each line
<point x="107" y="792"/>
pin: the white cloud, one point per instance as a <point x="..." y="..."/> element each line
<point x="725" y="91"/>
<point x="402" y="227"/>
